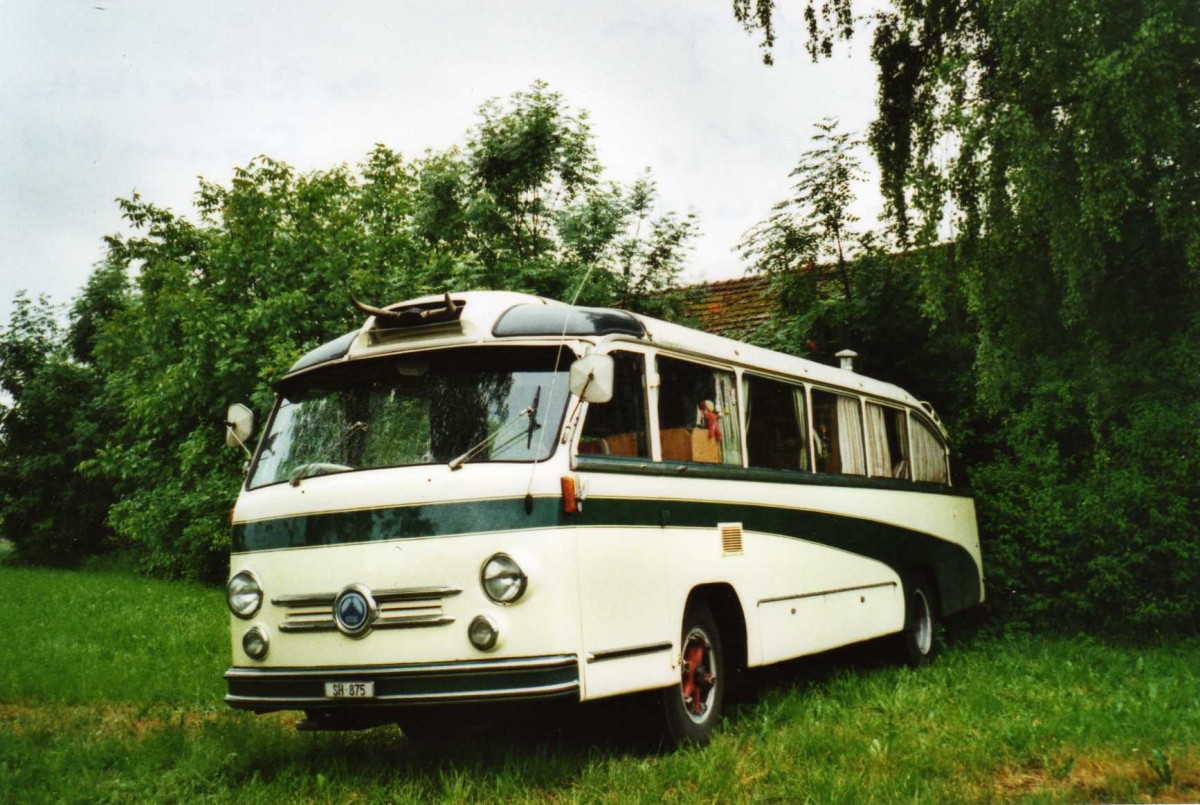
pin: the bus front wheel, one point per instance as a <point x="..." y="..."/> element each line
<point x="693" y="707"/>
<point x="917" y="644"/>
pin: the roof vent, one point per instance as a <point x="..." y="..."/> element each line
<point x="847" y="356"/>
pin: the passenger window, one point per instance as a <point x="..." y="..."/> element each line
<point x="776" y="425"/>
<point x="618" y="427"/>
<point x="697" y="413"/>
<point x="929" y="454"/>
<point x="838" y="434"/>
<point x="887" y="442"/>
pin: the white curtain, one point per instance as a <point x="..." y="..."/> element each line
<point x="877" y="442"/>
<point x="901" y="467"/>
<point x="850" y="436"/>
<point x="929" y="456"/>
<point x="731" y="451"/>
<point x="802" y="424"/>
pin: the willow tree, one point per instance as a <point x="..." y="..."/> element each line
<point x="1056" y="145"/>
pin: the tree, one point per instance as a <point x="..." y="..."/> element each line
<point x="119" y="415"/>
<point x="54" y="421"/>
<point x="838" y="287"/>
<point x="814" y="229"/>
<point x="525" y="207"/>
<point x="1059" y="142"/>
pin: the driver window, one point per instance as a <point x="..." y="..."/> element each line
<point x="618" y="427"/>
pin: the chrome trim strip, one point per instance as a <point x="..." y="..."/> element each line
<point x="825" y="592"/>
<point x="380" y="596"/>
<point x="318" y="672"/>
<point x="562" y="687"/>
<point x="316" y="600"/>
<point x="632" y="651"/>
<point x="411" y="621"/>
<point x="416" y="593"/>
<point x="308" y="626"/>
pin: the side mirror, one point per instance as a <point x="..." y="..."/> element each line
<point x="592" y="378"/>
<point x="239" y="425"/>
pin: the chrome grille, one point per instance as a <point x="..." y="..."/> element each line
<point x="406" y="608"/>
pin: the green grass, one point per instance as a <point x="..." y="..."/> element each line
<point x="110" y="689"/>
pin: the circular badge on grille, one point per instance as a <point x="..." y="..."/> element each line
<point x="354" y="610"/>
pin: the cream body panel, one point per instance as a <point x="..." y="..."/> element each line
<point x="624" y="604"/>
<point x="543" y="621"/>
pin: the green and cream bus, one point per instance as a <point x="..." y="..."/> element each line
<point x="490" y="496"/>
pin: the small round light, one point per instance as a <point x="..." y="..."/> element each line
<point x="483" y="633"/>
<point x="503" y="580"/>
<point x="244" y="594"/>
<point x="255" y="643"/>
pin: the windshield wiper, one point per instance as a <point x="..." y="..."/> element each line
<point x="315" y="468"/>
<point x="531" y="412"/>
<point x="533" y="423"/>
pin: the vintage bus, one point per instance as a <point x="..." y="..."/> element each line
<point x="490" y="496"/>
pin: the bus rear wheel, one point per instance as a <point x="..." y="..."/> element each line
<point x="917" y="644"/>
<point x="693" y="707"/>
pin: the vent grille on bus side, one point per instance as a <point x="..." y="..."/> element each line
<point x="731" y="538"/>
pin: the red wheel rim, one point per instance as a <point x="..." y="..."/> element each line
<point x="699" y="675"/>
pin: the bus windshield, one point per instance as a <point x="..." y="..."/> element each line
<point x="447" y="407"/>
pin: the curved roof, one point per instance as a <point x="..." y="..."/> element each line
<point x="489" y="316"/>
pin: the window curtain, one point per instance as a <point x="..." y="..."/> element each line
<point x="850" y="436"/>
<point x="901" y="468"/>
<point x="731" y="451"/>
<point x="929" y="456"/>
<point x="802" y="424"/>
<point x="746" y="403"/>
<point x="877" y="442"/>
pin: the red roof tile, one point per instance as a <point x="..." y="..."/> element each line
<point x="730" y="306"/>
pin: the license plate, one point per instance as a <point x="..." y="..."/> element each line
<point x="349" y="690"/>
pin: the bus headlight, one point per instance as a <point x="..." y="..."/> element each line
<point x="244" y="594"/>
<point x="502" y="579"/>
<point x="256" y="643"/>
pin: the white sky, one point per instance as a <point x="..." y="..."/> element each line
<point x="148" y="95"/>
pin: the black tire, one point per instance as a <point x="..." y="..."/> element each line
<point x="692" y="708"/>
<point x="918" y="644"/>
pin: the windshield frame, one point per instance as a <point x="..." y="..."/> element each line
<point x="566" y="356"/>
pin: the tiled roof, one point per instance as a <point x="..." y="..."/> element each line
<point x="730" y="307"/>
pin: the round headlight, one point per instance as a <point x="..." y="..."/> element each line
<point x="255" y="643"/>
<point x="483" y="633"/>
<point x="503" y="580"/>
<point x="244" y="594"/>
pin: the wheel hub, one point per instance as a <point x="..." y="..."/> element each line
<point x="699" y="679"/>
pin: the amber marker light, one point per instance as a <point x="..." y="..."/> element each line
<point x="570" y="499"/>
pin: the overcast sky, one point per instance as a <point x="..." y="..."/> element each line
<point x="100" y="98"/>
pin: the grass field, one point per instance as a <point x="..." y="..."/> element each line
<point x="110" y="689"/>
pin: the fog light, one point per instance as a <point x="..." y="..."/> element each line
<point x="255" y="643"/>
<point x="483" y="633"/>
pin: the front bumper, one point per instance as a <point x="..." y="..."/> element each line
<point x="265" y="690"/>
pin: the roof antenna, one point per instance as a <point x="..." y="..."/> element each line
<point x="562" y="339"/>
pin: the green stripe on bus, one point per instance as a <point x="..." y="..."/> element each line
<point x="900" y="548"/>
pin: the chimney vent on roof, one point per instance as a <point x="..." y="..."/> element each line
<point x="847" y="357"/>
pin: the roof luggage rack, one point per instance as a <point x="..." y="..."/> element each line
<point x="402" y="322"/>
